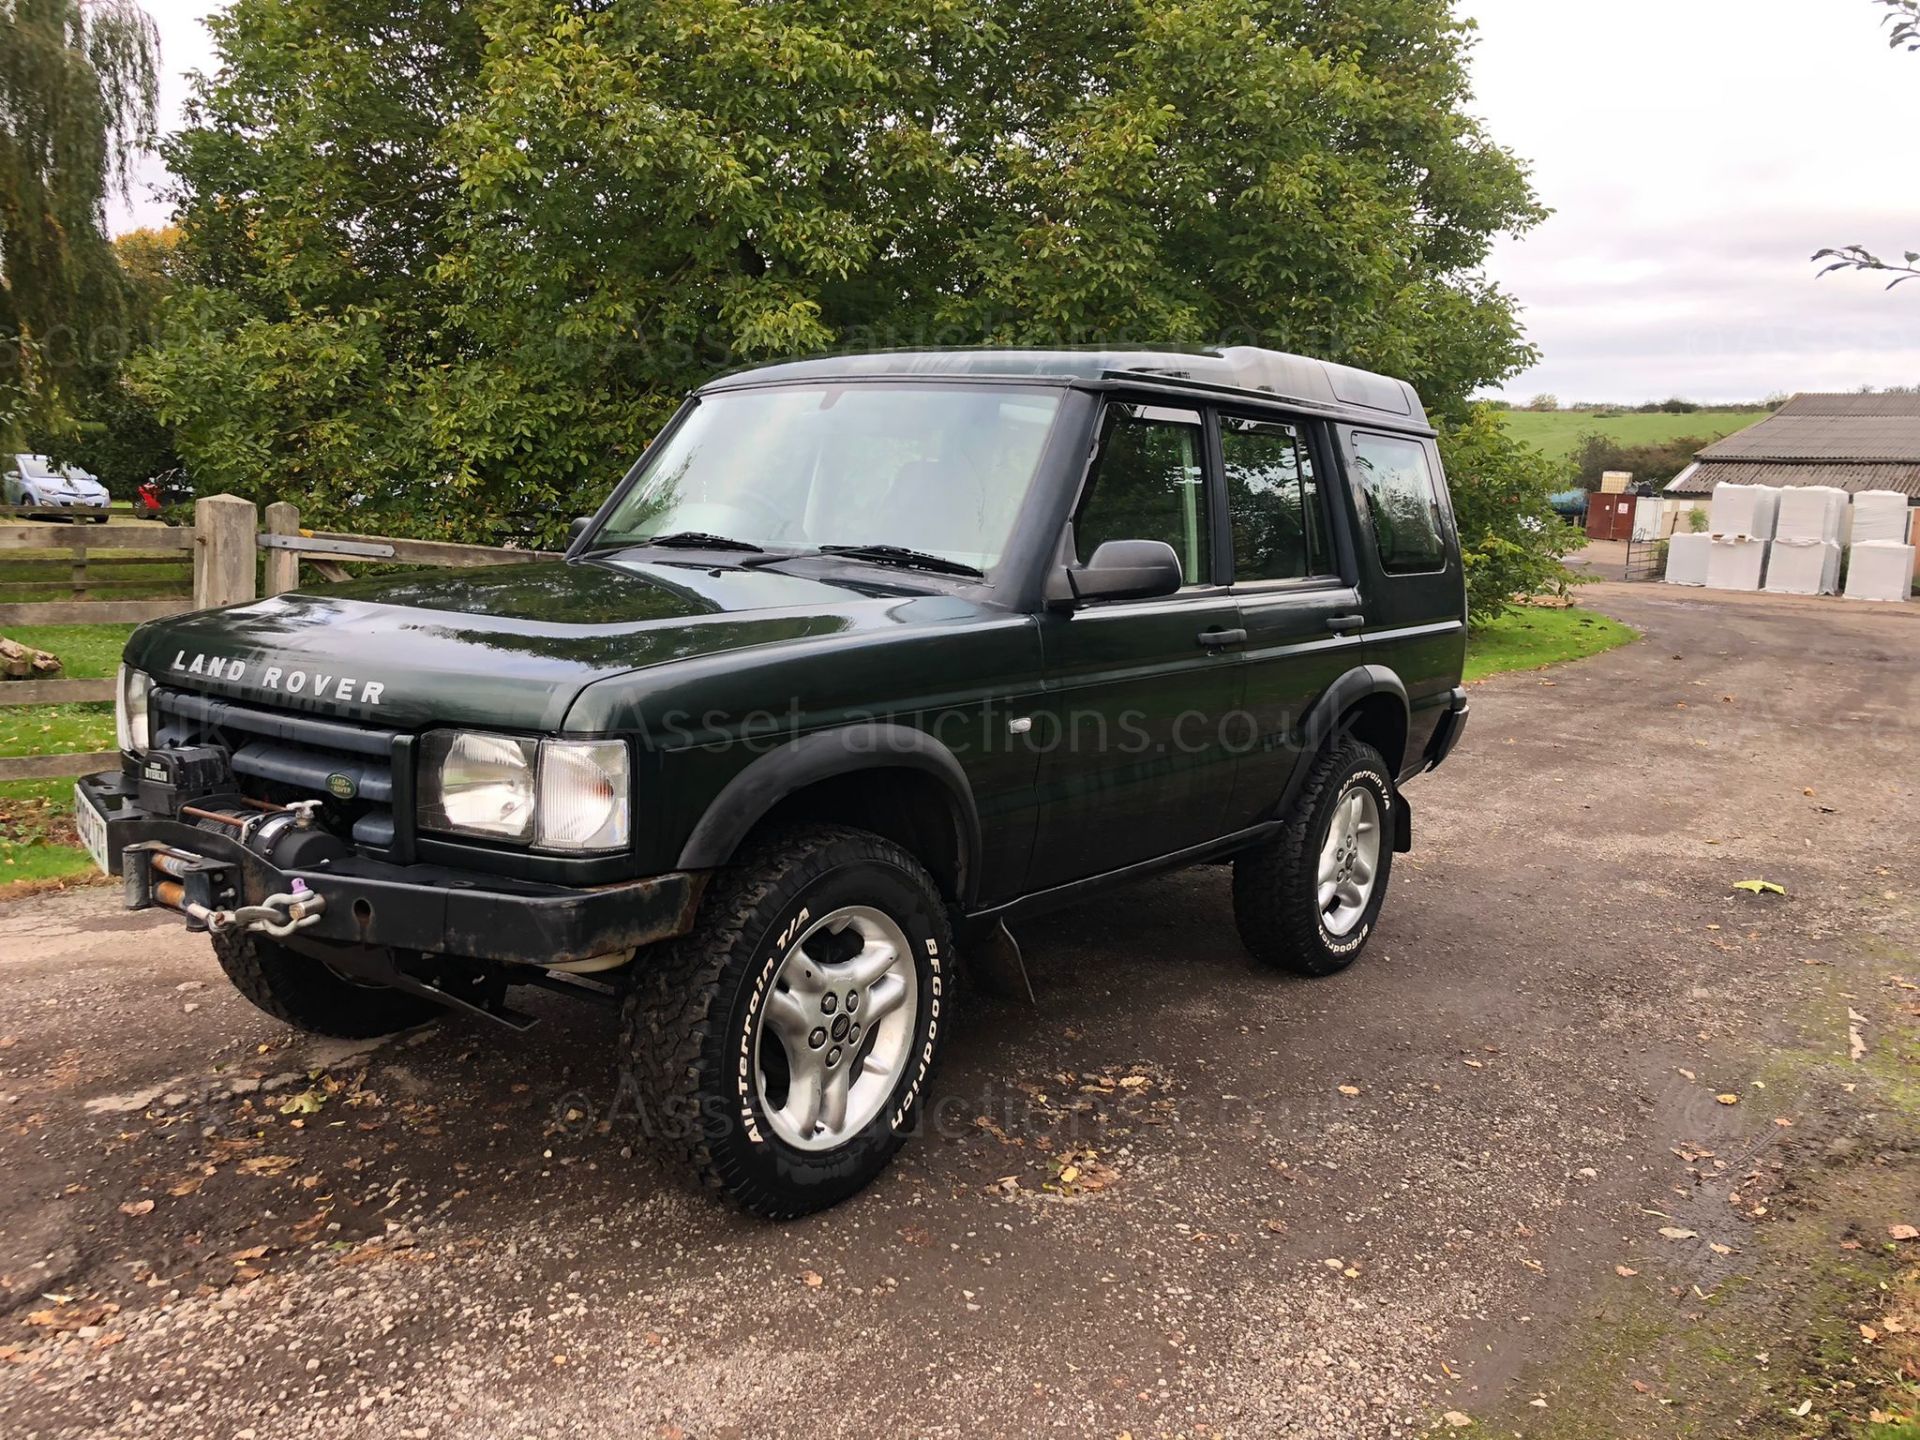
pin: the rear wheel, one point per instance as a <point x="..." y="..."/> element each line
<point x="307" y="995"/>
<point x="786" y="1043"/>
<point x="1306" y="899"/>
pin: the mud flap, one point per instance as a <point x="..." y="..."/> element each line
<point x="994" y="962"/>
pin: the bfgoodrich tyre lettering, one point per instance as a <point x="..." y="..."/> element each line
<point x="804" y="1014"/>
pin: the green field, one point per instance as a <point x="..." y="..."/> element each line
<point x="1558" y="432"/>
<point x="36" y="825"/>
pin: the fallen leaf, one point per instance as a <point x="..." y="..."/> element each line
<point x="1760" y="887"/>
<point x="1349" y="1089"/>
<point x="307" y="1102"/>
<point x="1624" y="1272"/>
<point x="1674" y="1232"/>
<point x="268" y="1165"/>
<point x="1728" y="1099"/>
<point x="1803" y="1408"/>
<point x="137" y="1207"/>
<point x="813" y="1280"/>
<point x="1457" y="1419"/>
<point x="1718" y="1248"/>
<point x="1869" y="1334"/>
<point x="1903" y="1232"/>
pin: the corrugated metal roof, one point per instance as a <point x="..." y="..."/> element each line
<point x="1701" y="478"/>
<point x="1824" y="438"/>
<point x="1826" y="404"/>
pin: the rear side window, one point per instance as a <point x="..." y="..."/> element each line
<point x="1148" y="484"/>
<point x="1403" y="501"/>
<point x="1274" y="499"/>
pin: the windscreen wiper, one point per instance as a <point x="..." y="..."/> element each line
<point x="907" y="559"/>
<point x="697" y="540"/>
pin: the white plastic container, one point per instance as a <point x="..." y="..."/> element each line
<point x="1736" y="562"/>
<point x="1811" y="512"/>
<point x="1879" y="515"/>
<point x="1804" y="567"/>
<point x="1744" y="510"/>
<point x="1880" y="570"/>
<point x="1687" y="558"/>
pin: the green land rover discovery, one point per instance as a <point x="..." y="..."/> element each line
<point x="865" y="657"/>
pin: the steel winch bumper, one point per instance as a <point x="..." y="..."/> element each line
<point x="216" y="882"/>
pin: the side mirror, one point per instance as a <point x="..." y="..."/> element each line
<point x="1125" y="570"/>
<point x="577" y="529"/>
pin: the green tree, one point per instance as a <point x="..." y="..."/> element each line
<point x="1655" y="463"/>
<point x="77" y="102"/>
<point x="1510" y="536"/>
<point x="448" y="265"/>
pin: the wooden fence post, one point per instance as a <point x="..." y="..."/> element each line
<point x="225" y="558"/>
<point x="283" y="566"/>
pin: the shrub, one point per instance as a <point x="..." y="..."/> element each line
<point x="1511" y="538"/>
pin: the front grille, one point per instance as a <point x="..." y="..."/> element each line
<point x="280" y="756"/>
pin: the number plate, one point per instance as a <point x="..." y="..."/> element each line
<point x="92" y="826"/>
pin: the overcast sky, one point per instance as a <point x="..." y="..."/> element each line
<point x="1695" y="153"/>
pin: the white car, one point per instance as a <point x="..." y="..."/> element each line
<point x="34" y="482"/>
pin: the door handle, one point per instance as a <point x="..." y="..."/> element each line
<point x="1345" y="624"/>
<point x="1222" y="639"/>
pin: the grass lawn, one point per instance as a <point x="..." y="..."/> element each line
<point x="36" y="825"/>
<point x="1529" y="637"/>
<point x="1558" y="432"/>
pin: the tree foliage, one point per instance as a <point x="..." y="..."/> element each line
<point x="449" y="264"/>
<point x="78" y="90"/>
<point x="1511" y="538"/>
<point x="1655" y="463"/>
<point x="1903" y="33"/>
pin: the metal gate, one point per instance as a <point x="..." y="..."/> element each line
<point x="1646" y="560"/>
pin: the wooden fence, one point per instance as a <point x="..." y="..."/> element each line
<point x="226" y="545"/>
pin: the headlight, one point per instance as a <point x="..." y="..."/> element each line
<point x="477" y="784"/>
<point x="558" y="794"/>
<point x="130" y="709"/>
<point x="583" y="795"/>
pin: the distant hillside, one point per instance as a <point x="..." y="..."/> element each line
<point x="1558" y="432"/>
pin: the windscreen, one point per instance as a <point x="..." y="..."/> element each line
<point x="937" y="468"/>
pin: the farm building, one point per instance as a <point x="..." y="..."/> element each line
<point x="1852" y="442"/>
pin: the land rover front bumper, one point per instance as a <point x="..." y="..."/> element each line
<point x="209" y="870"/>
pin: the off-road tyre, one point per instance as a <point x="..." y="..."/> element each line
<point x="304" y="993"/>
<point x="1276" y="884"/>
<point x="688" y="1020"/>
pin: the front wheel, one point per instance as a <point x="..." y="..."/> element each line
<point x="786" y="1043"/>
<point x="309" y="995"/>
<point x="1307" y="898"/>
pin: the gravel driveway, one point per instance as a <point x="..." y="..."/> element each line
<point x="1341" y="1208"/>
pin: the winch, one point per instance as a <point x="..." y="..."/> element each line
<point x="196" y="785"/>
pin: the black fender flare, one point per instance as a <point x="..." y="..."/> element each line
<point x="1322" y="720"/>
<point x="746" y="799"/>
